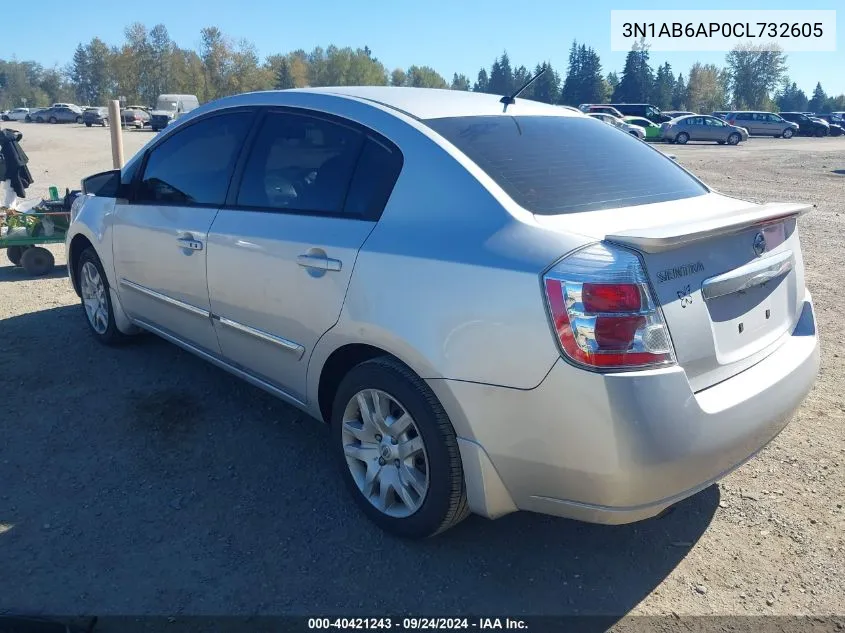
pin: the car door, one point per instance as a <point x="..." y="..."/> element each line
<point x="160" y="232"/>
<point x="281" y="253"/>
<point x="695" y="128"/>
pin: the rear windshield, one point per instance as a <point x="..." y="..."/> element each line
<point x="554" y="165"/>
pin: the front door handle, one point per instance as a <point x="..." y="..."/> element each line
<point x="319" y="262"/>
<point x="190" y="243"/>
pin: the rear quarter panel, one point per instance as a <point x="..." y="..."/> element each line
<point x="449" y="279"/>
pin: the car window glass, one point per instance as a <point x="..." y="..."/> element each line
<point x="372" y="183"/>
<point x="562" y="164"/>
<point x="194" y="165"/>
<point x="300" y="163"/>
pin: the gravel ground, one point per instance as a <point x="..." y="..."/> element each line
<point x="145" y="481"/>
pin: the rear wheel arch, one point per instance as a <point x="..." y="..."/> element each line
<point x="339" y="363"/>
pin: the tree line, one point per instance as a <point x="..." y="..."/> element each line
<point x="149" y="63"/>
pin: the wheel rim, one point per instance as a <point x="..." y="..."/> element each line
<point x="385" y="453"/>
<point x="94" y="298"/>
<point x="733" y="139"/>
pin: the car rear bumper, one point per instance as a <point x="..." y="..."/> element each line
<point x="617" y="448"/>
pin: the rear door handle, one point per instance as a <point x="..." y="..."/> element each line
<point x="319" y="262"/>
<point x="190" y="243"/>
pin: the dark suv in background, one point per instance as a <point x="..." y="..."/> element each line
<point x="645" y="110"/>
<point x="806" y="125"/>
<point x="95" y="116"/>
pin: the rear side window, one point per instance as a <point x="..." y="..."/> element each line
<point x="373" y="181"/>
<point x="195" y="164"/>
<point x="300" y="163"/>
<point x="554" y="165"/>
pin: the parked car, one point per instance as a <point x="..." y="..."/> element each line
<point x="674" y="114"/>
<point x="134" y="117"/>
<point x="600" y="109"/>
<point x="720" y="114"/>
<point x="836" y="123"/>
<point x="71" y="106"/>
<point x="169" y="108"/>
<point x="652" y="130"/>
<point x="806" y="125"/>
<point x="60" y="114"/>
<point x="34" y="112"/>
<point x="295" y="239"/>
<point x="763" y="123"/>
<point x="636" y="130"/>
<point x="17" y="114"/>
<point x="95" y="116"/>
<point x="700" y="127"/>
<point x="645" y="110"/>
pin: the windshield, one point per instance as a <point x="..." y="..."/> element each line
<point x="553" y="165"/>
<point x="166" y="104"/>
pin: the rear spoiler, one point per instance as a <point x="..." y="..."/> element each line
<point x="666" y="237"/>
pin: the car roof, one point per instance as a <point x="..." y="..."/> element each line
<point x="434" y="103"/>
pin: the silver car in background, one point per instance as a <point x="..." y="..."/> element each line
<point x="634" y="130"/>
<point x="495" y="308"/>
<point x="700" y="127"/>
<point x="763" y="123"/>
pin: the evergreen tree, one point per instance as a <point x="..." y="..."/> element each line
<point x="460" y="82"/>
<point x="547" y="85"/>
<point x="284" y="78"/>
<point x="679" y="93"/>
<point x="818" y="100"/>
<point x="79" y="74"/>
<point x="637" y="82"/>
<point x="501" y="76"/>
<point x="664" y="85"/>
<point x="571" y="88"/>
<point x="482" y="83"/>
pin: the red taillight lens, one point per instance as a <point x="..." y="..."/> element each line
<point x="603" y="314"/>
<point x="611" y="297"/>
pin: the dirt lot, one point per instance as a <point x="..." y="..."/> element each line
<point x="144" y="481"/>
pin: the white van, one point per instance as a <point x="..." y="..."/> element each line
<point x="171" y="107"/>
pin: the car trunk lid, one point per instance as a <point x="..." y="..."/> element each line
<point x="730" y="282"/>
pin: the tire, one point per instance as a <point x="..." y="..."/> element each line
<point x="14" y="253"/>
<point x="734" y="138"/>
<point x="87" y="125"/>
<point x="820" y="133"/>
<point x="5" y="118"/>
<point x="79" y="119"/>
<point x="105" y="123"/>
<point x="106" y="331"/>
<point x="682" y="138"/>
<point x="788" y="133"/>
<point x="53" y="119"/>
<point x="37" y="261"/>
<point x="443" y="503"/>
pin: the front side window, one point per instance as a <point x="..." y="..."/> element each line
<point x="194" y="165"/>
<point x="774" y="118"/>
<point x="300" y="163"/>
<point x="554" y="165"/>
<point x="714" y="122"/>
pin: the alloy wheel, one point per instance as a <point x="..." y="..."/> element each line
<point x="94" y="298"/>
<point x="385" y="453"/>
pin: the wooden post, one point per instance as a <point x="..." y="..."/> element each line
<point x="115" y="124"/>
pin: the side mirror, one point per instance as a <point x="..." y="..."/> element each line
<point x="106" y="184"/>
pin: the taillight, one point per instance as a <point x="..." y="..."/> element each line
<point x="603" y="311"/>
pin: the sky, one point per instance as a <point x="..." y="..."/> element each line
<point x="455" y="36"/>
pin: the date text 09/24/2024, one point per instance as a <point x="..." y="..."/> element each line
<point x="416" y="624"/>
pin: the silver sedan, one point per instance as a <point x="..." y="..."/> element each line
<point x="493" y="308"/>
<point x="702" y="128"/>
